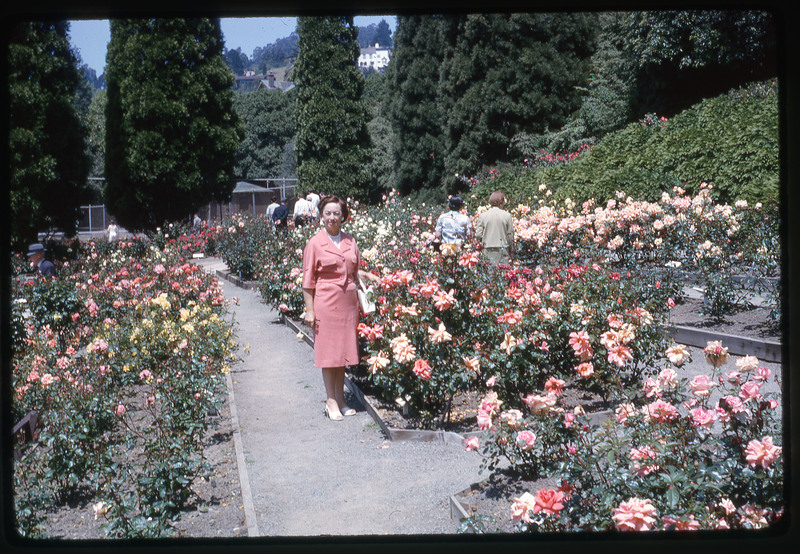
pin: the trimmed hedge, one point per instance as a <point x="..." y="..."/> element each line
<point x="730" y="142"/>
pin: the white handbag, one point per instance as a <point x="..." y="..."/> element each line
<point x="366" y="297"/>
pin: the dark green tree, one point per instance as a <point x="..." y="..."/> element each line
<point x="605" y="104"/>
<point x="278" y="54"/>
<point x="236" y="60"/>
<point x="383" y="35"/>
<point x="269" y="120"/>
<point x="333" y="146"/>
<point x="685" y="56"/>
<point x="171" y="131"/>
<point x="511" y="73"/>
<point x="413" y="107"/>
<point x="48" y="161"/>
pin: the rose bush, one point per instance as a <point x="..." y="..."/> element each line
<point x="678" y="454"/>
<point x="137" y="369"/>
<point x="584" y="302"/>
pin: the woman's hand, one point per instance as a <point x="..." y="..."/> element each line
<point x="368" y="276"/>
<point x="310" y="319"/>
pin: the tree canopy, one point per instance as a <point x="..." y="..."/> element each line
<point x="269" y="121"/>
<point x="48" y="162"/>
<point x="171" y="131"/>
<point x="333" y="145"/>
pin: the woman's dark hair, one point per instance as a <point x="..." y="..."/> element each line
<point x="456" y="203"/>
<point x="333" y="199"/>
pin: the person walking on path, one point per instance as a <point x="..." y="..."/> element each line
<point x="273" y="205"/>
<point x="112" y="231"/>
<point x="453" y="226"/>
<point x="302" y="212"/>
<point x="495" y="229"/>
<point x="281" y="215"/>
<point x="40" y="264"/>
<point x="331" y="262"/>
<point x="313" y="199"/>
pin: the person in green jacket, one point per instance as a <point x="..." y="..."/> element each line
<point x="495" y="229"/>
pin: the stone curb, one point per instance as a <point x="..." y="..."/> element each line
<point x="766" y="350"/>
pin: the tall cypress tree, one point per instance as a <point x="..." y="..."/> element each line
<point x="48" y="163"/>
<point x="511" y="73"/>
<point x="333" y="144"/>
<point x="415" y="109"/>
<point x="171" y="131"/>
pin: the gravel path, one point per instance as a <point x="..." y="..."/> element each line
<point x="310" y="476"/>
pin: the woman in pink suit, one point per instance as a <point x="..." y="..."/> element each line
<point x="331" y="263"/>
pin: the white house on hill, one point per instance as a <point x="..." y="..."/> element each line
<point x="374" y="57"/>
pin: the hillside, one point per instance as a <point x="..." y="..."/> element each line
<point x="730" y="142"/>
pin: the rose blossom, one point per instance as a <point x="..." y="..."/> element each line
<point x="634" y="514"/>
<point x="716" y="355"/>
<point x="554" y="385"/>
<point x="668" y="378"/>
<point x="763" y="452"/>
<point x="620" y="355"/>
<point x="677" y="354"/>
<point x="422" y="369"/>
<point x="660" y="411"/>
<point x="642" y="455"/>
<point x="651" y="388"/>
<point x="623" y="411"/>
<point x="548" y="501"/>
<point x="750" y="390"/>
<point x="120" y="411"/>
<point x="526" y="440"/>
<point x="512" y="418"/>
<point x="701" y="385"/>
<point x="747" y="364"/>
<point x="586" y="369"/>
<point x="471" y="443"/>
<point x="540" y="404"/>
<point x="520" y="510"/>
<point x="702" y="417"/>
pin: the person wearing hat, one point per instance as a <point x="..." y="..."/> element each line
<point x="453" y="226"/>
<point x="41" y="265"/>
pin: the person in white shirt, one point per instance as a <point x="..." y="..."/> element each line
<point x="313" y="198"/>
<point x="271" y="208"/>
<point x="302" y="212"/>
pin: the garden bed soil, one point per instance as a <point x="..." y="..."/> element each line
<point x="215" y="510"/>
<point x="489" y="501"/>
<point x="752" y="323"/>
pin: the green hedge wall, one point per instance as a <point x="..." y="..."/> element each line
<point x="730" y="141"/>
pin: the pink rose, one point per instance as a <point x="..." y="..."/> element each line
<point x="640" y="457"/>
<point x="750" y="390"/>
<point x="526" y="440"/>
<point x="762" y="453"/>
<point x="548" y="501"/>
<point x="422" y="369"/>
<point x="120" y="411"/>
<point x="701" y="385"/>
<point x="471" y="443"/>
<point x="702" y="417"/>
<point x="634" y="514"/>
<point x="586" y="369"/>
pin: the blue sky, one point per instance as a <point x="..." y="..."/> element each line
<point x="91" y="36"/>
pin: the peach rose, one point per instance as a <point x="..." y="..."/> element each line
<point x="634" y="514"/>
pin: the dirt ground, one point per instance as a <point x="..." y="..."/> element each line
<point x="216" y="511"/>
